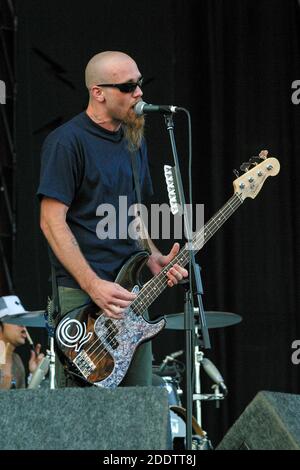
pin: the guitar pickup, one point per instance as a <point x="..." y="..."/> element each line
<point x="84" y="363"/>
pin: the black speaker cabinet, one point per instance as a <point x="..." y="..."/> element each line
<point x="85" y="419"/>
<point x="270" y="421"/>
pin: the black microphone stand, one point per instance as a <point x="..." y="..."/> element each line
<point x="188" y="301"/>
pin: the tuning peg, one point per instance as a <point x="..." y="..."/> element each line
<point x="245" y="166"/>
<point x="263" y="154"/>
<point x="236" y="173"/>
<point x="255" y="160"/>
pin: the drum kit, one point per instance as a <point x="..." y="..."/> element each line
<point x="169" y="373"/>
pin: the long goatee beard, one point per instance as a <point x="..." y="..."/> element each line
<point x="133" y="127"/>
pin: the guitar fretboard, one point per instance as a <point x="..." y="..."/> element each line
<point x="158" y="283"/>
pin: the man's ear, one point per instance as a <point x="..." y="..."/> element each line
<point x="97" y="93"/>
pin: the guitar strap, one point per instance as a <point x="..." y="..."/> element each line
<point x="55" y="298"/>
<point x="143" y="240"/>
<point x="53" y="307"/>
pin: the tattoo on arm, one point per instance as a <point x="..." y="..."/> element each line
<point x="74" y="241"/>
<point x="72" y="238"/>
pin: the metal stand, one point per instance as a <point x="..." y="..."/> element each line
<point x="198" y="396"/>
<point x="50" y="352"/>
<point x="51" y="355"/>
<point x="188" y="305"/>
<point x="198" y="356"/>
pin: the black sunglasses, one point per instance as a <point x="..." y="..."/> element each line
<point x="128" y="87"/>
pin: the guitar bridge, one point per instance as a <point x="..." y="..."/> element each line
<point x="84" y="363"/>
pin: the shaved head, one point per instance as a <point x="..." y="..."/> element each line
<point x="108" y="67"/>
<point x="108" y="106"/>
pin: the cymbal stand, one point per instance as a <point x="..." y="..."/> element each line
<point x="198" y="356"/>
<point x="198" y="395"/>
<point x="51" y="355"/>
<point x="50" y="352"/>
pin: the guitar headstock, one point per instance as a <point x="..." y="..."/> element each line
<point x="250" y="183"/>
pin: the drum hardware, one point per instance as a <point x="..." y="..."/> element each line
<point x="169" y="375"/>
<point x="170" y="372"/>
<point x="200" y="439"/>
<point x="214" y="374"/>
<point x="174" y="391"/>
<point x="201" y="443"/>
<point x="214" y="319"/>
<point x="50" y="325"/>
<point x="39" y="374"/>
<point x="168" y="359"/>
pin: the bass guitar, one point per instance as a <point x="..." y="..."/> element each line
<point x="99" y="349"/>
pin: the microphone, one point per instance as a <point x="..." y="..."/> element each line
<point x="141" y="108"/>
<point x="169" y="358"/>
<point x="39" y="373"/>
<point x="213" y="373"/>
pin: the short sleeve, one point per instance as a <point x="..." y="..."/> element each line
<point x="60" y="174"/>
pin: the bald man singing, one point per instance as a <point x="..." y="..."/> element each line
<point x="86" y="163"/>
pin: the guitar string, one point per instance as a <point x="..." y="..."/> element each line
<point x="160" y="280"/>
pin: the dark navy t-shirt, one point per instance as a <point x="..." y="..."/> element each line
<point x="85" y="166"/>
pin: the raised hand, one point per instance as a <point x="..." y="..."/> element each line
<point x="36" y="358"/>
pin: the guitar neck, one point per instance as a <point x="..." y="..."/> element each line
<point x="158" y="283"/>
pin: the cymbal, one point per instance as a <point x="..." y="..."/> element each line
<point x="34" y="319"/>
<point x="214" y="319"/>
<point x="174" y="321"/>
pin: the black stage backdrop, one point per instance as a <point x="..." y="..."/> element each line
<point x="232" y="64"/>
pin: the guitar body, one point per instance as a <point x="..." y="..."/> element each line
<point x="99" y="349"/>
